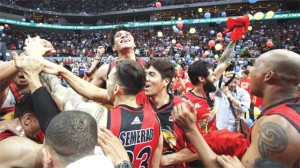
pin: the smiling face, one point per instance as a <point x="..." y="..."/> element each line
<point x="154" y="82"/>
<point x="123" y="40"/>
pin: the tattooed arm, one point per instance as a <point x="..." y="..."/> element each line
<point x="224" y="60"/>
<point x="273" y="137"/>
<point x="84" y="88"/>
<point x="67" y="99"/>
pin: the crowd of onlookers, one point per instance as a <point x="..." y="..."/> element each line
<point x="84" y="44"/>
<point x="94" y="6"/>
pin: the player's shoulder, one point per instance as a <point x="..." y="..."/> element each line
<point x="276" y="123"/>
<point x="177" y="99"/>
<point x="18" y="146"/>
<point x="104" y="67"/>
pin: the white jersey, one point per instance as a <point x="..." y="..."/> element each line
<point x="93" y="161"/>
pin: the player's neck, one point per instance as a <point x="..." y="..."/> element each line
<point x="199" y="91"/>
<point x="127" y="54"/>
<point x="277" y="94"/>
<point x="57" y="161"/>
<point x="39" y="156"/>
<point x="160" y="99"/>
<point x="129" y="100"/>
<point x="22" y="88"/>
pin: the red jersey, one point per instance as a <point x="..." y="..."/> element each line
<point x="17" y="98"/>
<point x="288" y="108"/>
<point x="245" y="84"/>
<point x="174" y="139"/>
<point x="188" y="86"/>
<point x="40" y="136"/>
<point x="177" y="84"/>
<point x="138" y="130"/>
<point x="5" y="134"/>
<point x="203" y="109"/>
<point x="258" y="102"/>
<point x="15" y="92"/>
<point x="204" y="124"/>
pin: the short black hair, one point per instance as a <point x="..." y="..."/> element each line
<point x="131" y="75"/>
<point x="164" y="67"/>
<point x="198" y="68"/>
<point x="72" y="135"/>
<point x="112" y="33"/>
<point x="24" y="106"/>
<point x="246" y="72"/>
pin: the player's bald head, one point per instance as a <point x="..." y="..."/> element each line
<point x="285" y="65"/>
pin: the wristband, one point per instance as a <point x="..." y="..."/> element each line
<point x="229" y="96"/>
<point x="89" y="74"/>
<point x="124" y="164"/>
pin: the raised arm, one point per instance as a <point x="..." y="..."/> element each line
<point x="182" y="156"/>
<point x="44" y="106"/>
<point x="64" y="97"/>
<point x="96" y="63"/>
<point x="8" y="72"/>
<point x="224" y="60"/>
<point x="238" y="27"/>
<point x="158" y="152"/>
<point x="81" y="86"/>
<point x="186" y="118"/>
<point x="100" y="76"/>
<point x="70" y="100"/>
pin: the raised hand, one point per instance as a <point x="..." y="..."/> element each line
<point x="229" y="162"/>
<point x="226" y="91"/>
<point x="51" y="68"/>
<point x="112" y="146"/>
<point x="38" y="47"/>
<point x="100" y="52"/>
<point x="13" y="126"/>
<point x="184" y="115"/>
<point x="28" y="65"/>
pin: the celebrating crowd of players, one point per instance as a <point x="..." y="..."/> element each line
<point x="147" y="125"/>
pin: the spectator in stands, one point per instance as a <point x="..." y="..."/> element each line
<point x="81" y="70"/>
<point x="245" y="81"/>
<point x="231" y="103"/>
<point x="76" y="44"/>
